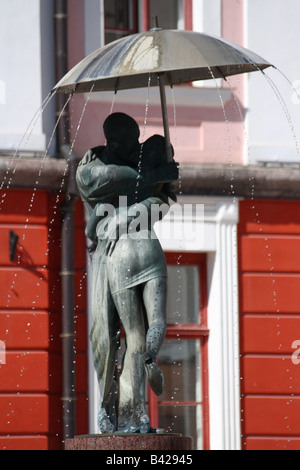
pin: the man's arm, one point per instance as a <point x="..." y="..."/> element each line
<point x="98" y="182"/>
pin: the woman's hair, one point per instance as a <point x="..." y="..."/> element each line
<point x="153" y="153"/>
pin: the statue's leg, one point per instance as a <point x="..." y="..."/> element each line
<point x="105" y="344"/>
<point x="155" y="300"/>
<point x="132" y="412"/>
<point x="104" y="336"/>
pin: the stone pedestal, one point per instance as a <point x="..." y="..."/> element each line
<point x="133" y="442"/>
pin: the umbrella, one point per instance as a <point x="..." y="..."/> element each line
<point x="157" y="58"/>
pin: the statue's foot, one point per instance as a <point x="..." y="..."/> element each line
<point x="156" y="431"/>
<point x="104" y="424"/>
<point x="140" y="430"/>
<point x="137" y="424"/>
<point x="154" y="375"/>
<point x="144" y="425"/>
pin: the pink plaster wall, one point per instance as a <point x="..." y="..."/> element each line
<point x="233" y="29"/>
<point x="202" y="135"/>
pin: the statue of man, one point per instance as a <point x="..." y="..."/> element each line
<point x="129" y="273"/>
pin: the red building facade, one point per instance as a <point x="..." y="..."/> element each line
<point x="231" y="355"/>
<point x="31" y="322"/>
<point x="269" y="323"/>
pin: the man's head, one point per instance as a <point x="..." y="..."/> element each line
<point x="122" y="134"/>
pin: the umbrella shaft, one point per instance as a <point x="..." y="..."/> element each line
<point x="165" y="116"/>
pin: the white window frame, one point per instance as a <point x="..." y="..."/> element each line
<point x="207" y="17"/>
<point x="94" y="28"/>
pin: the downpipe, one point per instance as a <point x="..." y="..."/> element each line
<point x="67" y="232"/>
<point x="68" y="299"/>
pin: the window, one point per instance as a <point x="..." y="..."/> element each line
<point x="183" y="407"/>
<point x="120" y="19"/>
<point x="170" y="13"/>
<point x="108" y="20"/>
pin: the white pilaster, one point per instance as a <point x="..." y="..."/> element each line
<point x="224" y="376"/>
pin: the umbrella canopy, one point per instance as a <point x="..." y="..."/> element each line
<point x="184" y="56"/>
<point x="164" y="56"/>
